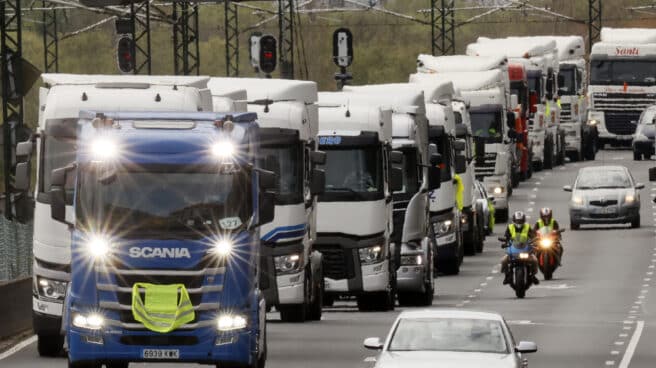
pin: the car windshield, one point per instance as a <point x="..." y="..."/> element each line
<point x="410" y="171"/>
<point x="567" y="82"/>
<point x="163" y="201"/>
<point x="449" y="334"/>
<point x="285" y="161"/>
<point x="606" y="179"/>
<point x="487" y="125"/>
<point x="356" y="172"/>
<point x="636" y="72"/>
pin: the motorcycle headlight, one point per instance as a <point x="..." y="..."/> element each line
<point x="51" y="289"/>
<point x="546" y="243"/>
<point x="290" y="263"/>
<point x="371" y="255"/>
<point x="523" y="255"/>
<point x="443" y="227"/>
<point x="415" y="260"/>
<point x="231" y="322"/>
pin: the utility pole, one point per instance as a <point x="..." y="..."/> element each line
<point x="50" y="38"/>
<point x="231" y="19"/>
<point x="141" y="37"/>
<point x="286" y="38"/>
<point x="443" y="40"/>
<point x="186" y="56"/>
<point x="594" y="22"/>
<point x="12" y="90"/>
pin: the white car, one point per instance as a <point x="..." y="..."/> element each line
<point x="449" y="338"/>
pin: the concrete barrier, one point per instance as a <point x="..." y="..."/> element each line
<point x="15" y="306"/>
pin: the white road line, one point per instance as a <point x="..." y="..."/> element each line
<point x="610" y="362"/>
<point x="535" y="189"/>
<point x="369" y="359"/>
<point x="489" y="278"/>
<point x="619" y="343"/>
<point x="614" y="352"/>
<point x="18" y="347"/>
<point x="623" y="335"/>
<point x="633" y="344"/>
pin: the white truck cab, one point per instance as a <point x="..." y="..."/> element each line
<point x="354" y="217"/>
<point x="622" y="82"/>
<point x="61" y="99"/>
<point x="287" y="111"/>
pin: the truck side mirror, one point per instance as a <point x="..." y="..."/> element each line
<point x="435" y="159"/>
<point x="23" y="176"/>
<point x="459" y="146"/>
<point x="58" y="180"/>
<point x="512" y="134"/>
<point x="510" y="119"/>
<point x="267" y="207"/>
<point x="318" y="182"/>
<point x="396" y="179"/>
<point x="396" y="157"/>
<point x="24" y="205"/>
<point x="318" y="157"/>
<point x="652" y="174"/>
<point x="533" y="101"/>
<point x="461" y="164"/>
<point x="434" y="178"/>
<point x="461" y="131"/>
<point x="24" y="151"/>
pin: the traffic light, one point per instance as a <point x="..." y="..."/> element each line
<point x="268" y="54"/>
<point x="125" y="55"/>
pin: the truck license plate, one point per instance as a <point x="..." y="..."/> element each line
<point x="161" y="354"/>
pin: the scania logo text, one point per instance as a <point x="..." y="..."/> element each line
<point x="150" y="252"/>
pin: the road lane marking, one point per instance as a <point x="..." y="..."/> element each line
<point x="370" y="359"/>
<point x="18" y="347"/>
<point x="619" y="343"/>
<point x="614" y="352"/>
<point x="610" y="362"/>
<point x="633" y="344"/>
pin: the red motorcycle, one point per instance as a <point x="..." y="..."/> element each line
<point x="548" y="251"/>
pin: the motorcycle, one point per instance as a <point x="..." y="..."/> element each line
<point x="548" y="251"/>
<point x="519" y="264"/>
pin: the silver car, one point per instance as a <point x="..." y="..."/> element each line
<point x="449" y="338"/>
<point x="604" y="195"/>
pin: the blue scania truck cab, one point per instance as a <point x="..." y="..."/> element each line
<point x="166" y="238"/>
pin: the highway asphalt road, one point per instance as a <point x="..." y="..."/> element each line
<point x="598" y="311"/>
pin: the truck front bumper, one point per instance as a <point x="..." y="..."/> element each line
<point x="282" y="289"/>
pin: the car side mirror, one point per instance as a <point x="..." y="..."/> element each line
<point x="396" y="157"/>
<point x="24" y="151"/>
<point x="525" y="347"/>
<point x="567" y="188"/>
<point x="461" y="164"/>
<point x="652" y="174"/>
<point x="459" y="146"/>
<point x="23" y="176"/>
<point x="267" y="207"/>
<point x="396" y="179"/>
<point x="318" y="157"/>
<point x="434" y="178"/>
<point x="318" y="182"/>
<point x="435" y="159"/>
<point x="639" y="186"/>
<point x="373" y="343"/>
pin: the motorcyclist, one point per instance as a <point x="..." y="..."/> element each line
<point x="546" y="220"/>
<point x="519" y="231"/>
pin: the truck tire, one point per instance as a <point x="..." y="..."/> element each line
<point x="501" y="215"/>
<point x="547" y="163"/>
<point x="452" y="268"/>
<point x="293" y="313"/>
<point x="469" y="242"/>
<point x="83" y="364"/>
<point x="590" y="150"/>
<point x="480" y="242"/>
<point x="316" y="307"/>
<point x="637" y="156"/>
<point x="50" y="345"/>
<point x="374" y="302"/>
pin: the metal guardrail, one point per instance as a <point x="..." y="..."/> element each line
<point x="15" y="250"/>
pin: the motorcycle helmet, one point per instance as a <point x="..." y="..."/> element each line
<point x="545" y="214"/>
<point x="519" y="219"/>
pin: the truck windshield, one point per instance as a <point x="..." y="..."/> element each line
<point x="567" y="82"/>
<point x="444" y="148"/>
<point x="353" y="173"/>
<point x="410" y="173"/>
<point x="163" y="201"/>
<point x="635" y="72"/>
<point x="286" y="162"/>
<point x="520" y="89"/>
<point x="535" y="84"/>
<point x="487" y="124"/>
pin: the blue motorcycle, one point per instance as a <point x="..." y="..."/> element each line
<point x="520" y="265"/>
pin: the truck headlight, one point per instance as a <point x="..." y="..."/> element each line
<point x="98" y="246"/>
<point x="223" y="247"/>
<point x="371" y="255"/>
<point x="593" y="122"/>
<point x="416" y="260"/>
<point x="93" y="321"/>
<point x="51" y="289"/>
<point x="231" y="322"/>
<point x="103" y="149"/>
<point x="497" y="190"/>
<point x="442" y="227"/>
<point x="290" y="263"/>
<point x="223" y="149"/>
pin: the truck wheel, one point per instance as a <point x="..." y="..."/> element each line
<point x="316" y="307"/>
<point x="50" y="345"/>
<point x="635" y="223"/>
<point x="547" y="163"/>
<point x="480" y="242"/>
<point x="374" y="302"/>
<point x="469" y="242"/>
<point x="591" y="149"/>
<point x="574" y="225"/>
<point x="501" y="215"/>
<point x="637" y="156"/>
<point x="294" y="313"/>
<point x="83" y="364"/>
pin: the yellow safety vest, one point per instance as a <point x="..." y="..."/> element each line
<point x="460" y="192"/>
<point x="558" y="103"/>
<point x="547" y="110"/>
<point x="490" y="207"/>
<point x="523" y="236"/>
<point x="166" y="307"/>
<point x="551" y="224"/>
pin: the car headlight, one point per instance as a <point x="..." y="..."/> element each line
<point x="577" y="200"/>
<point x="290" y="263"/>
<point x="416" y="260"/>
<point x="231" y="322"/>
<point x="98" y="246"/>
<point x="629" y="198"/>
<point x="51" y="289"/>
<point x="371" y="255"/>
<point x="443" y="227"/>
<point x="93" y="321"/>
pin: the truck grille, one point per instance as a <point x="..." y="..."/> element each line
<point x="336" y="262"/>
<point x="484" y="166"/>
<point x="622" y="108"/>
<point x="566" y="112"/>
<point x="620" y="122"/>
